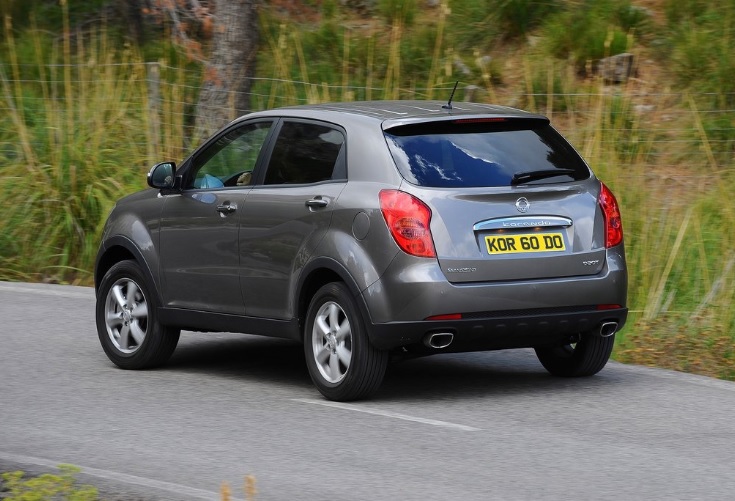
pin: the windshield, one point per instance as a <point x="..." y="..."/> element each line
<point x="450" y="154"/>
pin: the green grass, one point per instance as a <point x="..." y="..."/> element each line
<point x="18" y="486"/>
<point x="78" y="131"/>
<point x="47" y="487"/>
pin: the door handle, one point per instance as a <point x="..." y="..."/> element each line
<point x="316" y="203"/>
<point x="226" y="208"/>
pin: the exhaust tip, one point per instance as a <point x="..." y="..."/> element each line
<point x="607" y="329"/>
<point x="438" y="340"/>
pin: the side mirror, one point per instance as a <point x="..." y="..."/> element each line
<point x="161" y="176"/>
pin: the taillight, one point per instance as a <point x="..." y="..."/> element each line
<point x="408" y="220"/>
<point x="611" y="212"/>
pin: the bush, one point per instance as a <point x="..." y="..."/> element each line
<point x="61" y="487"/>
<point x="595" y="30"/>
<point x="702" y="47"/>
<point x="517" y="17"/>
<point x="402" y="11"/>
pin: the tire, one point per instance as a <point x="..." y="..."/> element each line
<point x="127" y="322"/>
<point x="585" y="358"/>
<point x="342" y="363"/>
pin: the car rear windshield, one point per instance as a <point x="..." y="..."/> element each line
<point x="484" y="153"/>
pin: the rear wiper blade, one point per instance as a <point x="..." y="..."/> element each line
<point x="526" y="177"/>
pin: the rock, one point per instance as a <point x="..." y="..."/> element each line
<point x="642" y="109"/>
<point x="616" y="69"/>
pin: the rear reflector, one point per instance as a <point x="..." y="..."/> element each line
<point x="450" y="316"/>
<point x="608" y="306"/>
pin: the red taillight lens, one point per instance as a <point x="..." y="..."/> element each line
<point x="613" y="222"/>
<point x="408" y="219"/>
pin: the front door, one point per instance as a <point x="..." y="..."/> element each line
<point x="200" y="226"/>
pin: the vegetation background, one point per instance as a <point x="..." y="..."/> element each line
<point x="88" y="102"/>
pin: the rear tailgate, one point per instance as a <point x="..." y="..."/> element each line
<point x="510" y="198"/>
<point x="482" y="236"/>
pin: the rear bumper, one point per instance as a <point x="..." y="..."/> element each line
<point x="499" y="330"/>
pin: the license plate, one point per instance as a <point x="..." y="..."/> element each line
<point x="525" y="242"/>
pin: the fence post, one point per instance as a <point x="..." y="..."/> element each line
<point x="154" y="109"/>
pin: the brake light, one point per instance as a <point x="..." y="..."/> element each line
<point x="479" y="120"/>
<point x="408" y="220"/>
<point x="613" y="221"/>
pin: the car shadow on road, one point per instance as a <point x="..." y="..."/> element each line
<point x="459" y="375"/>
<point x="238" y="355"/>
<point x="482" y="374"/>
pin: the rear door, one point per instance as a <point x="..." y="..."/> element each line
<point x="288" y="212"/>
<point x="510" y="198"/>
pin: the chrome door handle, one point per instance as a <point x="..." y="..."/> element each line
<point x="317" y="203"/>
<point x="226" y="208"/>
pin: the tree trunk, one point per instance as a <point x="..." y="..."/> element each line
<point x="225" y="92"/>
<point x="132" y="12"/>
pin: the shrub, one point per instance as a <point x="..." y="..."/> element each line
<point x="61" y="487"/>
<point x="517" y="17"/>
<point x="594" y="30"/>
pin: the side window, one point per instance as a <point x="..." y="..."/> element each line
<point x="306" y="153"/>
<point x="231" y="160"/>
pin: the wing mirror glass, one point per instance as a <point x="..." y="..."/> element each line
<point x="161" y="176"/>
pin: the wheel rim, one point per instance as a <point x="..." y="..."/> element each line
<point x="126" y="315"/>
<point x="331" y="341"/>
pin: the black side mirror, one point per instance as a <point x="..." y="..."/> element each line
<point x="161" y="176"/>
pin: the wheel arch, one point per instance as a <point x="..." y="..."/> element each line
<point x="315" y="275"/>
<point x="120" y="248"/>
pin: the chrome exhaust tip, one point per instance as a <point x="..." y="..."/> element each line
<point x="438" y="340"/>
<point x="607" y="329"/>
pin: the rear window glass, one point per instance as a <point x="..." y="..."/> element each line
<point x="305" y="153"/>
<point x="449" y="154"/>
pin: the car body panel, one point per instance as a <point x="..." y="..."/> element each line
<point x="278" y="236"/>
<point x="199" y="250"/>
<point x="461" y="247"/>
<point x="133" y="225"/>
<point x="416" y="289"/>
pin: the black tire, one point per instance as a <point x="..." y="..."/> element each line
<point x="342" y="363"/>
<point x="127" y="320"/>
<point x="585" y="358"/>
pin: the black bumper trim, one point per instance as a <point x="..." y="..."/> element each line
<point x="499" y="330"/>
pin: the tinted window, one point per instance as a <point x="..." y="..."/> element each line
<point x="482" y="155"/>
<point x="305" y="153"/>
<point x="231" y="159"/>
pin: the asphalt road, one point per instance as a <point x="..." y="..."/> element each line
<point x="451" y="427"/>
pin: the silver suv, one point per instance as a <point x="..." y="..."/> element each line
<point x="365" y="230"/>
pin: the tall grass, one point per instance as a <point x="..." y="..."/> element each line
<point x="678" y="239"/>
<point x="75" y="137"/>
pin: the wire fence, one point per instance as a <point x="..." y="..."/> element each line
<point x="669" y="129"/>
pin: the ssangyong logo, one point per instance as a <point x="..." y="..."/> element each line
<point x="522" y="204"/>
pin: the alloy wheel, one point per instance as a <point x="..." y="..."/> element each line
<point x="126" y="315"/>
<point x="331" y="341"/>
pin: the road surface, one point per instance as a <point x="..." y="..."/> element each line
<point x="464" y="427"/>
